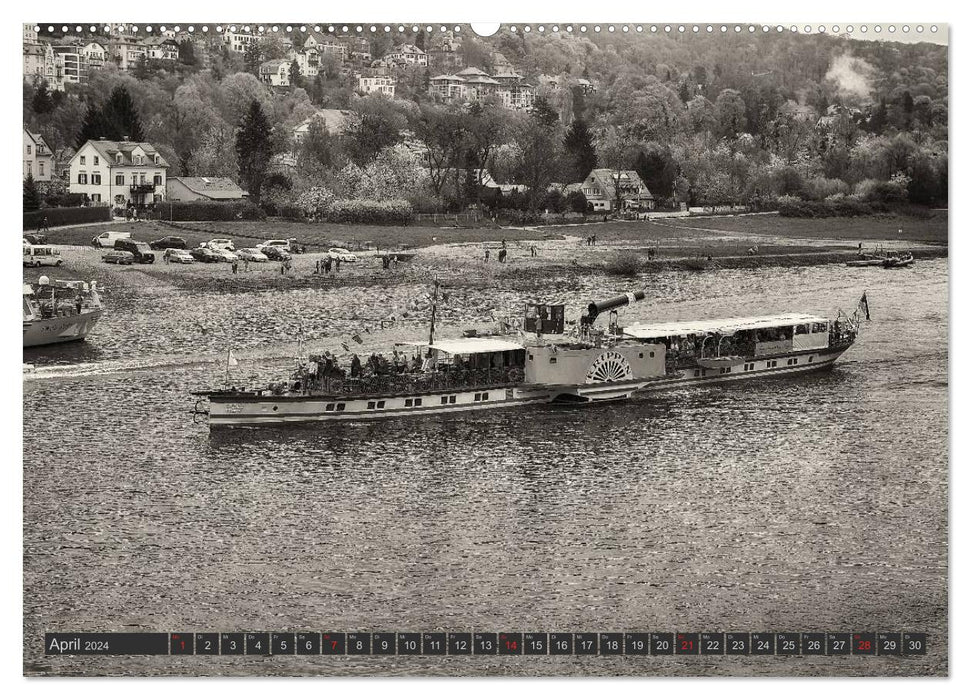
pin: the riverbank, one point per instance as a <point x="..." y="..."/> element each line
<point x="458" y="256"/>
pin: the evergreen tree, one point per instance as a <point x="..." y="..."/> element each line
<point x="31" y="195"/>
<point x="657" y="169"/>
<point x="187" y="53"/>
<point x="253" y="149"/>
<point x="253" y="57"/>
<point x="543" y="113"/>
<point x="581" y="155"/>
<point x="296" y="77"/>
<point x="878" y="120"/>
<point x="142" y="70"/>
<point x="120" y="118"/>
<point x="42" y="102"/>
<point x="92" y="127"/>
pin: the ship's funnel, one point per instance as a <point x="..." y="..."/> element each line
<point x="595" y="308"/>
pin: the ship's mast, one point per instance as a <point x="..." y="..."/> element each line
<point x="431" y="324"/>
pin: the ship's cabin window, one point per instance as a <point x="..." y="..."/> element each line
<point x="451" y="399"/>
<point x="329" y="407"/>
<point x="810" y="358"/>
<point x="820" y="327"/>
<point x="724" y="370"/>
<point x="640" y="354"/>
<point x="484" y="396"/>
<point x="697" y="372"/>
<point x="370" y="405"/>
<point x="802" y="329"/>
<point x="444" y="399"/>
<point x="340" y="407"/>
<point x="552" y="360"/>
<point x="530" y="356"/>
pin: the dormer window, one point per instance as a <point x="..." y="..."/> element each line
<point x="156" y="159"/>
<point x="118" y="158"/>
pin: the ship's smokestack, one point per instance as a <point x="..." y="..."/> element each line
<point x="595" y="308"/>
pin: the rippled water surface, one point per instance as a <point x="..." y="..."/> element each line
<point x="815" y="503"/>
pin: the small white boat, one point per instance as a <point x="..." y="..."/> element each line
<point x="59" y="311"/>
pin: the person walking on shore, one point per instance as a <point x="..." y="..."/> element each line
<point x="235" y="266"/>
<point x="246" y="266"/>
<point x="487" y="254"/>
<point x="337" y="264"/>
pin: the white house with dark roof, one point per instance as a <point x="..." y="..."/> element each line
<point x="38" y="157"/>
<point x="601" y="190"/>
<point x="407" y="54"/>
<point x="276" y="72"/>
<point x="118" y="172"/>
<point x="191" y="189"/>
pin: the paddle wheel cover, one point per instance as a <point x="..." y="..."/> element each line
<point x="610" y="366"/>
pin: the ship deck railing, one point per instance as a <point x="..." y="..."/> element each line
<point x="407" y="383"/>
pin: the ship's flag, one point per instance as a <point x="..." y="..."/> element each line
<point x="231" y="360"/>
<point x="347" y="348"/>
<point x="357" y="338"/>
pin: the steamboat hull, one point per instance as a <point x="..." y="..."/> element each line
<point x="59" y="329"/>
<point x="757" y="368"/>
<point x="234" y="410"/>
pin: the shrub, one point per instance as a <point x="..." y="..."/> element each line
<point x="820" y="188"/>
<point x="623" y="264"/>
<point x="363" y="211"/>
<point x="208" y="211"/>
<point x="576" y="202"/>
<point x="517" y="217"/>
<point x="65" y="216"/>
<point x="881" y="191"/>
<point x="842" y="206"/>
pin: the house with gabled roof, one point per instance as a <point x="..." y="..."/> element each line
<point x="118" y="172"/>
<point x="192" y="189"/>
<point x="276" y="72"/>
<point x="38" y="157"/>
<point x="407" y="54"/>
<point x="606" y="188"/>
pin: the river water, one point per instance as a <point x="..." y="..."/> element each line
<point x="816" y="503"/>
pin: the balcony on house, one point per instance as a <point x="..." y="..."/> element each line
<point x="143" y="188"/>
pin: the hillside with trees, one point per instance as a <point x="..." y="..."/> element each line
<point x="707" y="120"/>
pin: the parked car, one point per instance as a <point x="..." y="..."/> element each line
<point x="275" y="243"/>
<point x="35" y="239"/>
<point x="274" y="253"/>
<point x="169" y="242"/>
<point x="342" y="254"/>
<point x="108" y="238"/>
<point x="251" y="254"/>
<point x="290" y="245"/>
<point x="119" y="257"/>
<point x="204" y="255"/>
<point x="223" y="243"/>
<point x="142" y="252"/>
<point x="177" y="255"/>
<point x="223" y="255"/>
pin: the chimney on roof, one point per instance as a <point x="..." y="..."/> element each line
<point x="125" y="137"/>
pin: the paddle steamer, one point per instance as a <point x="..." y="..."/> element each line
<point x="540" y="363"/>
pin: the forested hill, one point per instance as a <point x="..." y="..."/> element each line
<point x="704" y="118"/>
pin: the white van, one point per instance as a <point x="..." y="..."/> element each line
<point x="37" y="255"/>
<point x="108" y="238"/>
